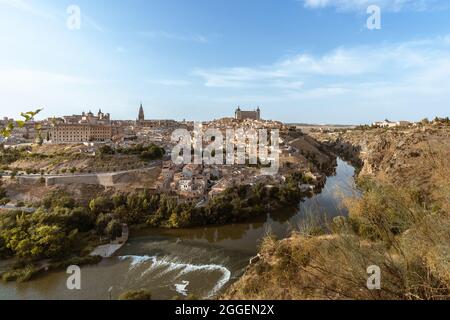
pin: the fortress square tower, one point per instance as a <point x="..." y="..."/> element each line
<point x="253" y="115"/>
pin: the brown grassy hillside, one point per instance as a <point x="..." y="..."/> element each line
<point x="401" y="224"/>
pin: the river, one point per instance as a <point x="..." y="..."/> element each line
<point x="198" y="261"/>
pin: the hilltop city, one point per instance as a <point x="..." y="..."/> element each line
<point x="90" y="135"/>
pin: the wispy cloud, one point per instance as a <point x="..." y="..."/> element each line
<point x="21" y="78"/>
<point x="91" y="23"/>
<point x="360" y="64"/>
<point x="365" y="82"/>
<point x="389" y="5"/>
<point x="174" y="36"/>
<point x="27" y="7"/>
<point x="241" y="76"/>
<point x="58" y="92"/>
<point x="292" y="72"/>
<point x="170" y="82"/>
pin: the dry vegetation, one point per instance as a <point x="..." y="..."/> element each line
<point x="60" y="159"/>
<point x="403" y="229"/>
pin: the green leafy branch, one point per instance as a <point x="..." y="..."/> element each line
<point x="27" y="117"/>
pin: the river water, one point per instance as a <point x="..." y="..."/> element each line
<point x="198" y="261"/>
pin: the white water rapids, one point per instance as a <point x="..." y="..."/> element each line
<point x="163" y="266"/>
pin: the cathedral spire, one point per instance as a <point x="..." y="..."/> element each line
<point x="141" y="116"/>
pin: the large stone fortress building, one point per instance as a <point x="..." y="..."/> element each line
<point x="86" y="127"/>
<point x="252" y="115"/>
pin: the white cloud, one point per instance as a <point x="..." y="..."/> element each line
<point x="175" y="36"/>
<point x="57" y="92"/>
<point x="28" y="8"/>
<point x="170" y="82"/>
<point x="362" y="63"/>
<point x="25" y="6"/>
<point x="291" y="72"/>
<point x="91" y="23"/>
<point x="389" y="5"/>
<point x="240" y="76"/>
<point x="361" y="82"/>
<point x="23" y="78"/>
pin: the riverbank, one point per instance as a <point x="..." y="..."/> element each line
<point x="108" y="250"/>
<point x="408" y="156"/>
<point x="398" y="225"/>
<point x="161" y="260"/>
<point x="63" y="230"/>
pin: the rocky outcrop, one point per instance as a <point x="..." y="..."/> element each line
<point x="317" y="267"/>
<point x="398" y="155"/>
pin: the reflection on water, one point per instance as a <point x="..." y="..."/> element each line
<point x="199" y="261"/>
<point x="329" y="202"/>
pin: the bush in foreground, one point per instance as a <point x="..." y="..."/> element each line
<point x="387" y="227"/>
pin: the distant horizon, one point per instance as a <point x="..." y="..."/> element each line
<point x="40" y="117"/>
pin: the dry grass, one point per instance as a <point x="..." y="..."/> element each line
<point x="389" y="226"/>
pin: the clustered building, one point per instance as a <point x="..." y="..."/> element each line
<point x="191" y="183"/>
<point x="86" y="127"/>
<point x="196" y="183"/>
<point x="91" y="128"/>
<point x="391" y="124"/>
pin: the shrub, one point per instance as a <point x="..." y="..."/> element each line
<point x="81" y="219"/>
<point x="101" y="205"/>
<point x="104" y="150"/>
<point x="20" y="275"/>
<point x="77" y="261"/>
<point x="102" y="222"/>
<point x="141" y="294"/>
<point x="114" y="229"/>
<point x="20" y="204"/>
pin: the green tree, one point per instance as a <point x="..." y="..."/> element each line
<point x="103" y="150"/>
<point x="102" y="222"/>
<point x="119" y="200"/>
<point x="3" y="193"/>
<point x="27" y="117"/>
<point x="81" y="219"/>
<point x="101" y="205"/>
<point x="32" y="242"/>
<point x="114" y="229"/>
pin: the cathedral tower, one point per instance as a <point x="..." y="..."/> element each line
<point x="141" y="116"/>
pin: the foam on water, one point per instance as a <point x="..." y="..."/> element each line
<point x="181" y="288"/>
<point x="185" y="268"/>
<point x="136" y="260"/>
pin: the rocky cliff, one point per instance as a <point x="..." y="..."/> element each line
<point x="400" y="155"/>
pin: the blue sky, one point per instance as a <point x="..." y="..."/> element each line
<point x="300" y="60"/>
